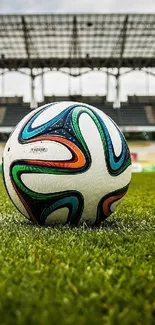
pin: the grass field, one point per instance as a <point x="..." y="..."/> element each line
<point x="81" y="276"/>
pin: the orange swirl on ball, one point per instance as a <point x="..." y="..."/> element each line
<point x="107" y="203"/>
<point x="79" y="158"/>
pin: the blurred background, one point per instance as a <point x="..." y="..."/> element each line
<point x="102" y="54"/>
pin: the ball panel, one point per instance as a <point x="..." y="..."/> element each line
<point x="58" y="216"/>
<point x="14" y="197"/>
<point x="57" y="122"/>
<point x="115" y="164"/>
<point x="9" y="186"/>
<point x="48" y="113"/>
<point x="108" y="203"/>
<point x="116" y="203"/>
<point x="112" y="129"/>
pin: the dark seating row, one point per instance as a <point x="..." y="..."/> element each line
<point x="127" y="115"/>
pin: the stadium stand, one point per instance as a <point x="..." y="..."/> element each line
<point x="133" y="115"/>
<point x="130" y="113"/>
<point x="77" y="98"/>
<point x="14" y="113"/>
<point x="2" y="114"/>
<point x="11" y="100"/>
<point x="12" y="110"/>
<point x="150" y="112"/>
<point x="141" y="100"/>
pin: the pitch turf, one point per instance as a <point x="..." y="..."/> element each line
<point x="81" y="276"/>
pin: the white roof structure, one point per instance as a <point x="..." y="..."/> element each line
<point x="82" y="40"/>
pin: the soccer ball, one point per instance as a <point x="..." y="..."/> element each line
<point x="66" y="163"/>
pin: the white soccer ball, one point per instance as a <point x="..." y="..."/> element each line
<point x="66" y="162"/>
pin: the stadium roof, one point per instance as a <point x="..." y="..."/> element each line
<point x="82" y="40"/>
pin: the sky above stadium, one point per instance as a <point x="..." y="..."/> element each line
<point x="72" y="6"/>
<point x="93" y="83"/>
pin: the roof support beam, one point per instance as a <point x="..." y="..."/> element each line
<point x="33" y="103"/>
<point x="124" y="32"/>
<point x="91" y="63"/>
<point x="74" y="50"/>
<point x="123" y="36"/>
<point x="26" y="38"/>
<point x="75" y="37"/>
<point x="116" y="103"/>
